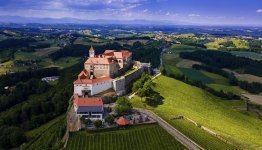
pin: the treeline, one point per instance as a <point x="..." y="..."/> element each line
<point x="230" y="76"/>
<point x="39" y="108"/>
<point x="77" y="50"/>
<point x="23" y="44"/>
<point x="13" y="79"/>
<point x="149" y="52"/>
<point x="21" y="91"/>
<point x="133" y="38"/>
<point x="225" y="60"/>
<point x="253" y="87"/>
<point x="200" y="84"/>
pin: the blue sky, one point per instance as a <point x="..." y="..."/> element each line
<point x="227" y="12"/>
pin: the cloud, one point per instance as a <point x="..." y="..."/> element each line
<point x="259" y="11"/>
<point x="193" y="15"/>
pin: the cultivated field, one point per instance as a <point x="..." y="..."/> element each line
<point x="240" y="128"/>
<point x="149" y="137"/>
<point x="176" y="65"/>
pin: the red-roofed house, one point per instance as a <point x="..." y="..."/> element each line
<point x="92" y="108"/>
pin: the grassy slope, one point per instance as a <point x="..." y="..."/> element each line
<point x="47" y="136"/>
<point x="212" y="80"/>
<point x="151" y="137"/>
<point x="207" y="110"/>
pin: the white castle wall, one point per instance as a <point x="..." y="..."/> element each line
<point x="94" y="88"/>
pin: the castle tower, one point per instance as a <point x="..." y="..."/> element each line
<point x="91" y="52"/>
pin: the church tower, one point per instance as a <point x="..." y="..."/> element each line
<point x="91" y="52"/>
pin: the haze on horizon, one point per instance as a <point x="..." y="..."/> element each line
<point x="200" y="12"/>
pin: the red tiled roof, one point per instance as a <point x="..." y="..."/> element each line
<point x="109" y="51"/>
<point x="123" y="54"/>
<point x="108" y="57"/>
<point x="92" y="81"/>
<point x="83" y="74"/>
<point x="99" y="60"/>
<point x="90" y="101"/>
<point x="122" y="121"/>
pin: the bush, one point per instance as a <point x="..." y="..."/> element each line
<point x="123" y="106"/>
<point x="98" y="123"/>
<point x="110" y="119"/>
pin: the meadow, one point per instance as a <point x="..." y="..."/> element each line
<point x="238" y="43"/>
<point x="147" y="137"/>
<point x="175" y="65"/>
<point x="240" y="128"/>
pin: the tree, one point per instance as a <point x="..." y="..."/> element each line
<point x="98" y="123"/>
<point x="162" y="69"/>
<point x="110" y="119"/>
<point x="123" y="106"/>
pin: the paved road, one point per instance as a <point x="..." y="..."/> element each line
<point x="171" y="130"/>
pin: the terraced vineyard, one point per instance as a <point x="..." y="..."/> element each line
<point x="151" y="137"/>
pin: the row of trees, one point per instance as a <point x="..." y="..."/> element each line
<point x="225" y="60"/>
<point x="144" y="89"/>
<point x="253" y="87"/>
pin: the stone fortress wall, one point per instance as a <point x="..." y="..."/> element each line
<point x="124" y="83"/>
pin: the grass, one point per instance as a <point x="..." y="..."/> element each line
<point x="195" y="75"/>
<point x="215" y="81"/>
<point x="47" y="136"/>
<point x="210" y="111"/>
<point x="46" y="51"/>
<point x="38" y="131"/>
<point x="199" y="135"/>
<point x="67" y="61"/>
<point x="180" y="47"/>
<point x="251" y="55"/>
<point x="131" y="42"/>
<point x="19" y="55"/>
<point x="148" y="137"/>
<point x="216" y="44"/>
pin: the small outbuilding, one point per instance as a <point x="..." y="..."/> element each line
<point x="122" y="121"/>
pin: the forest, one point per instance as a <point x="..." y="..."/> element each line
<point x="37" y="102"/>
<point x="225" y="60"/>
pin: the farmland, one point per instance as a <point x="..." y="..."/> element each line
<point x="176" y="65"/>
<point x="207" y="110"/>
<point x="151" y="137"/>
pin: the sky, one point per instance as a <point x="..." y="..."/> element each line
<point x="208" y="12"/>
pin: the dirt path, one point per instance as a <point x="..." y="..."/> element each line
<point x="254" y="98"/>
<point x="171" y="130"/>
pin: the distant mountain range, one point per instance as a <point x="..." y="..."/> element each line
<point x="18" y="19"/>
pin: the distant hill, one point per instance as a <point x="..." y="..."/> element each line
<point x="18" y="19"/>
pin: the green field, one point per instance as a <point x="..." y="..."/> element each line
<point x="147" y="137"/>
<point x="242" y="129"/>
<point x="215" y="81"/>
<point x="176" y="48"/>
<point x="251" y="55"/>
<point x="47" y="136"/>
<point x="202" y="137"/>
<point x="216" y="44"/>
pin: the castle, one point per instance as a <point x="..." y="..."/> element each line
<point x="100" y="70"/>
<point x="97" y="76"/>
